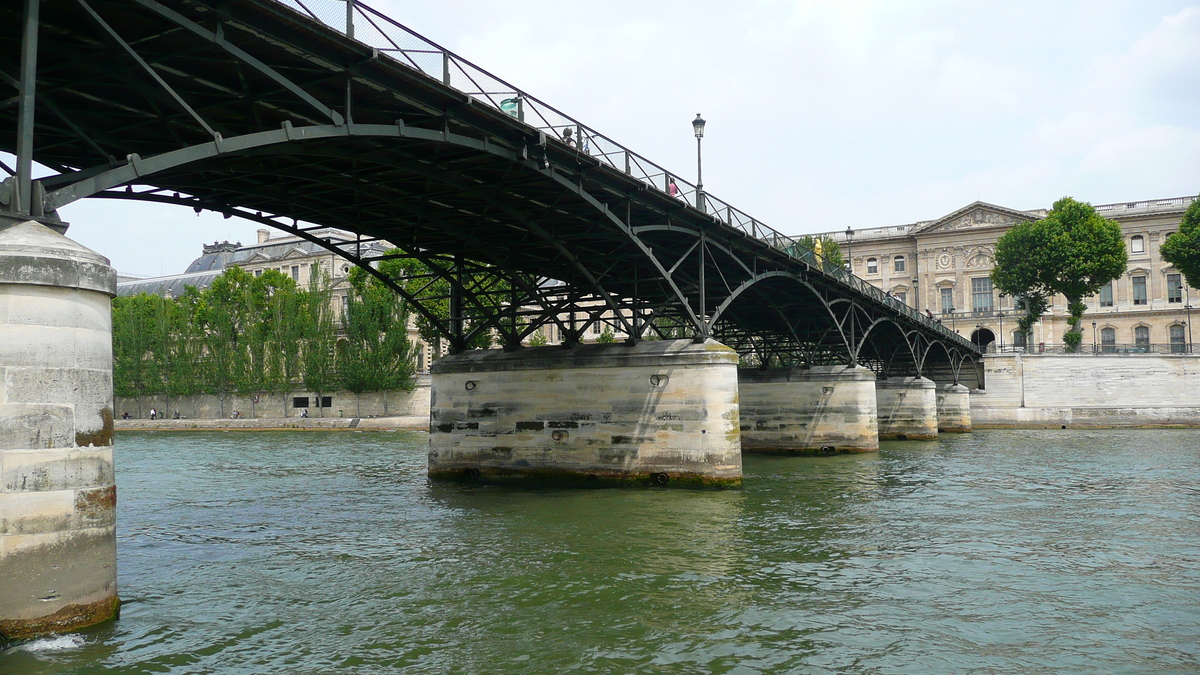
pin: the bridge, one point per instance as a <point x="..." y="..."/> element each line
<point x="271" y="112"/>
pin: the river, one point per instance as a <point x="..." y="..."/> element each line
<point x="317" y="552"/>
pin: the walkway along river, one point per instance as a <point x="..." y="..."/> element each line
<point x="314" y="552"/>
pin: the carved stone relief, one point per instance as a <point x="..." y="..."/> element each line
<point x="978" y="218"/>
<point x="980" y="257"/>
<point x="944" y="261"/>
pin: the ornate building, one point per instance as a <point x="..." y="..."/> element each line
<point x="943" y="266"/>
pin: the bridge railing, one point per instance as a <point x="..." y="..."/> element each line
<point x="377" y="30"/>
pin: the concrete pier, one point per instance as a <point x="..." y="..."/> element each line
<point x="659" y="412"/>
<point x="58" y="562"/>
<point x="907" y="408"/>
<point x="821" y="410"/>
<point x="953" y="408"/>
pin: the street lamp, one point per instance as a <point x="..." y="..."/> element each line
<point x="1188" y="307"/>
<point x="953" y="324"/>
<point x="1000" y="315"/>
<point x="1093" y="337"/>
<point x="698" y="128"/>
<point x="849" y="238"/>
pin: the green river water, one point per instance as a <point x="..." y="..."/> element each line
<point x="993" y="552"/>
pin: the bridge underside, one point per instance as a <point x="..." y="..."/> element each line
<point x="252" y="109"/>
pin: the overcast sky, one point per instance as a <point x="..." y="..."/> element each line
<point x="821" y="114"/>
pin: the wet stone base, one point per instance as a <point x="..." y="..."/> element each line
<point x="574" y="479"/>
<point x="658" y="412"/>
<point x="66" y="620"/>
<point x="907" y="409"/>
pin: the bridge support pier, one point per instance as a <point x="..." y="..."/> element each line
<point x="953" y="408"/>
<point x="820" y="410"/>
<point x="58" y="562"/>
<point x="907" y="408"/>
<point x="658" y="412"/>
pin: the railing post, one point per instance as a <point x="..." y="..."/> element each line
<point x="446" y="68"/>
<point x="628" y="167"/>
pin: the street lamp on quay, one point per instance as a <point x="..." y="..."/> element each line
<point x="849" y="239"/>
<point x="698" y="128"/>
<point x="1093" y="337"/>
<point x="1000" y="315"/>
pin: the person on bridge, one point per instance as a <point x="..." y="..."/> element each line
<point x="672" y="188"/>
<point x="568" y="139"/>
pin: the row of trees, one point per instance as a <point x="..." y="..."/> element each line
<point x="1074" y="251"/>
<point x="249" y="334"/>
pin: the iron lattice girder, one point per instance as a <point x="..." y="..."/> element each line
<point x="422" y="165"/>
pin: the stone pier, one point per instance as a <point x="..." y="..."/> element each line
<point x="58" y="561"/>
<point x="953" y="408"/>
<point x="821" y="410"/>
<point x="659" y="412"/>
<point x="907" y="408"/>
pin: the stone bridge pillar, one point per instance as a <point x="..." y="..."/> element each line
<point x="58" y="560"/>
<point x="819" y="410"/>
<point x="953" y="408"/>
<point x="907" y="408"/>
<point x="658" y="412"/>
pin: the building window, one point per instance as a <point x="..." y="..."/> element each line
<point x="1137" y="244"/>
<point x="1106" y="299"/>
<point x="1178" y="345"/>
<point x="1174" y="288"/>
<point x="1141" y="338"/>
<point x="1139" y="290"/>
<point x="981" y="294"/>
<point x="1108" y="340"/>
<point x="1018" y="339"/>
<point x="872" y="266"/>
<point x="898" y="264"/>
<point x="947" y="295"/>
<point x="296" y="273"/>
<point x="258" y="273"/>
<point x="596" y="328"/>
<point x="299" y="401"/>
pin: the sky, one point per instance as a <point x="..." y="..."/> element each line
<point x="821" y="114"/>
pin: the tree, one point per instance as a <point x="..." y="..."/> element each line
<point x="1073" y="251"/>
<point x="139" y="340"/>
<point x="831" y="251"/>
<point x="316" y="329"/>
<point x="376" y="354"/>
<point x="1182" y="248"/>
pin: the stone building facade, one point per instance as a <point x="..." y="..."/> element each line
<point x="943" y="265"/>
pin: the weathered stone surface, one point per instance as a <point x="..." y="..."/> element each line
<point x="1105" y="391"/>
<point x="656" y="411"/>
<point x="907" y="408"/>
<point x="821" y="410"/>
<point x="953" y="408"/>
<point x="57" y="502"/>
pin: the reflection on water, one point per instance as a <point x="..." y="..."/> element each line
<point x="1001" y="552"/>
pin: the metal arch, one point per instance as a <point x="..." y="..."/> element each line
<point x="137" y="167"/>
<point x="875" y="323"/>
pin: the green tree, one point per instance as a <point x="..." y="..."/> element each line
<point x="139" y="341"/>
<point x="316" y="329"/>
<point x="376" y="354"/>
<point x="1182" y="248"/>
<point x="1073" y="251"/>
<point x="831" y="251"/>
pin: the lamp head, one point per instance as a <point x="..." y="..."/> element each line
<point x="849" y="233"/>
<point x="698" y="126"/>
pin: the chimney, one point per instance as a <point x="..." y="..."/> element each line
<point x="263" y="235"/>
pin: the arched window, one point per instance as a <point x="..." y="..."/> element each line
<point x="1178" y="344"/>
<point x="1108" y="340"/>
<point x="1137" y="244"/>
<point x="898" y="264"/>
<point x="1018" y="339"/>
<point x="872" y="266"/>
<point x="1141" y="338"/>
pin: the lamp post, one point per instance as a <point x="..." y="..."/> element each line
<point x="1000" y="315"/>
<point x="953" y="324"/>
<point x="1188" y="307"/>
<point x="698" y="128"/>
<point x="1093" y="337"/>
<point x="849" y="239"/>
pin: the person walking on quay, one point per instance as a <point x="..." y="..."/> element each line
<point x="153" y="414"/>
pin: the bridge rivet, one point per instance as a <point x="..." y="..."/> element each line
<point x="471" y="384"/>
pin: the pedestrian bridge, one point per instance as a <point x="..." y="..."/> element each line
<point x="272" y="112"/>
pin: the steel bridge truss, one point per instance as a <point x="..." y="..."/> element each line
<point x="254" y="110"/>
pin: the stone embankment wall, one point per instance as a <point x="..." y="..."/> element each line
<point x="277" y="406"/>
<point x="1053" y="390"/>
